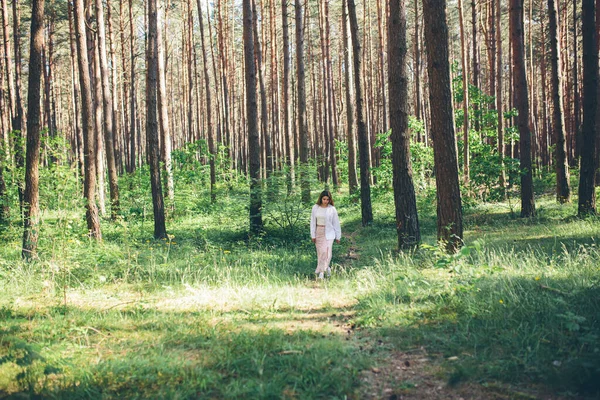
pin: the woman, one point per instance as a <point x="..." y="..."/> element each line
<point x="324" y="229"/>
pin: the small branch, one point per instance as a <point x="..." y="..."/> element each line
<point x="120" y="304"/>
<point x="554" y="290"/>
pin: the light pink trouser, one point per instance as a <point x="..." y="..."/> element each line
<point x="323" y="250"/>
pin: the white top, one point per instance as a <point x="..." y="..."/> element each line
<point x="321" y="215"/>
<point x="333" y="229"/>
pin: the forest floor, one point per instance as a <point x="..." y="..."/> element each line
<point x="205" y="314"/>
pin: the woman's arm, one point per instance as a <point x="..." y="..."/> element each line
<point x="336" y="225"/>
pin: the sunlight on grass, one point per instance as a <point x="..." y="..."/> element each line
<point x="208" y="313"/>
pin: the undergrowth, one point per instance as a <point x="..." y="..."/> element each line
<point x="210" y="313"/>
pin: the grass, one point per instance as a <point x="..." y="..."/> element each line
<point x="209" y="314"/>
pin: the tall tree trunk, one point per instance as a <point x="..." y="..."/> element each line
<point x="368" y="102"/>
<point x="76" y="94"/>
<point x="8" y="61"/>
<point x="491" y="47"/>
<point x="160" y="231"/>
<point x="17" y="120"/>
<point x="465" y="82"/>
<point x="417" y="65"/>
<point x="449" y="206"/>
<point x="209" y="110"/>
<point x="163" y="112"/>
<point x="330" y="102"/>
<point x="260" y="69"/>
<point x="587" y="193"/>
<point x="133" y="143"/>
<point x="274" y="89"/>
<point x="5" y="115"/>
<point x="4" y="145"/>
<point x="285" y="97"/>
<point x="46" y="61"/>
<point x="576" y="94"/>
<point x="92" y="218"/>
<point x="190" y="74"/>
<point x="381" y="12"/>
<point x="522" y="103"/>
<point x="563" y="189"/>
<point x="352" y="177"/>
<point x="597" y="139"/>
<point x="407" y="219"/>
<point x="475" y="55"/>
<point x="124" y="89"/>
<point x="499" y="107"/>
<point x="108" y="114"/>
<point x="545" y="125"/>
<point x="117" y="128"/>
<point x="363" y="139"/>
<point x="301" y="104"/>
<point x="225" y="95"/>
<point x="98" y="114"/>
<point x="219" y="113"/>
<point x="252" y="122"/>
<point x="31" y="198"/>
<point x="322" y="143"/>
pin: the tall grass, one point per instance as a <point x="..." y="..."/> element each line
<point x="208" y="313"/>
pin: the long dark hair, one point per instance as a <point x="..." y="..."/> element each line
<point x="323" y="194"/>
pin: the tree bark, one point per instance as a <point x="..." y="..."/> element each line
<point x="381" y="12"/>
<point x="17" y="120"/>
<point x="133" y="143"/>
<point x="301" y="105"/>
<point x="252" y="122"/>
<point x="285" y="97"/>
<point x="225" y="95"/>
<point x="8" y="61"/>
<point x="352" y="177"/>
<point x="363" y="139"/>
<point x="545" y="124"/>
<point x="587" y="193"/>
<point x="98" y="113"/>
<point x="449" y="206"/>
<point x="117" y="127"/>
<point x="499" y="106"/>
<point x="260" y="69"/>
<point x="31" y="198"/>
<point x="92" y="218"/>
<point x="329" y="99"/>
<point x="407" y="220"/>
<point x="160" y="230"/>
<point x="522" y="104"/>
<point x="163" y="112"/>
<point x="76" y="94"/>
<point x="124" y="88"/>
<point x="209" y="110"/>
<point x="563" y="188"/>
<point x="5" y="115"/>
<point x="475" y="55"/>
<point x="108" y="114"/>
<point x="465" y="82"/>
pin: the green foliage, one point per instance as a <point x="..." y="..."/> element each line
<point x="287" y="217"/>
<point x="209" y="313"/>
<point x="30" y="368"/>
<point x="485" y="168"/>
<point x="509" y="309"/>
<point x="421" y="160"/>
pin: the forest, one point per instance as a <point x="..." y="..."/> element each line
<point x="158" y="165"/>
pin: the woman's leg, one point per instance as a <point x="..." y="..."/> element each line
<point x="324" y="248"/>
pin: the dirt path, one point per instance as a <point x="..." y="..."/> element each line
<point x="414" y="374"/>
